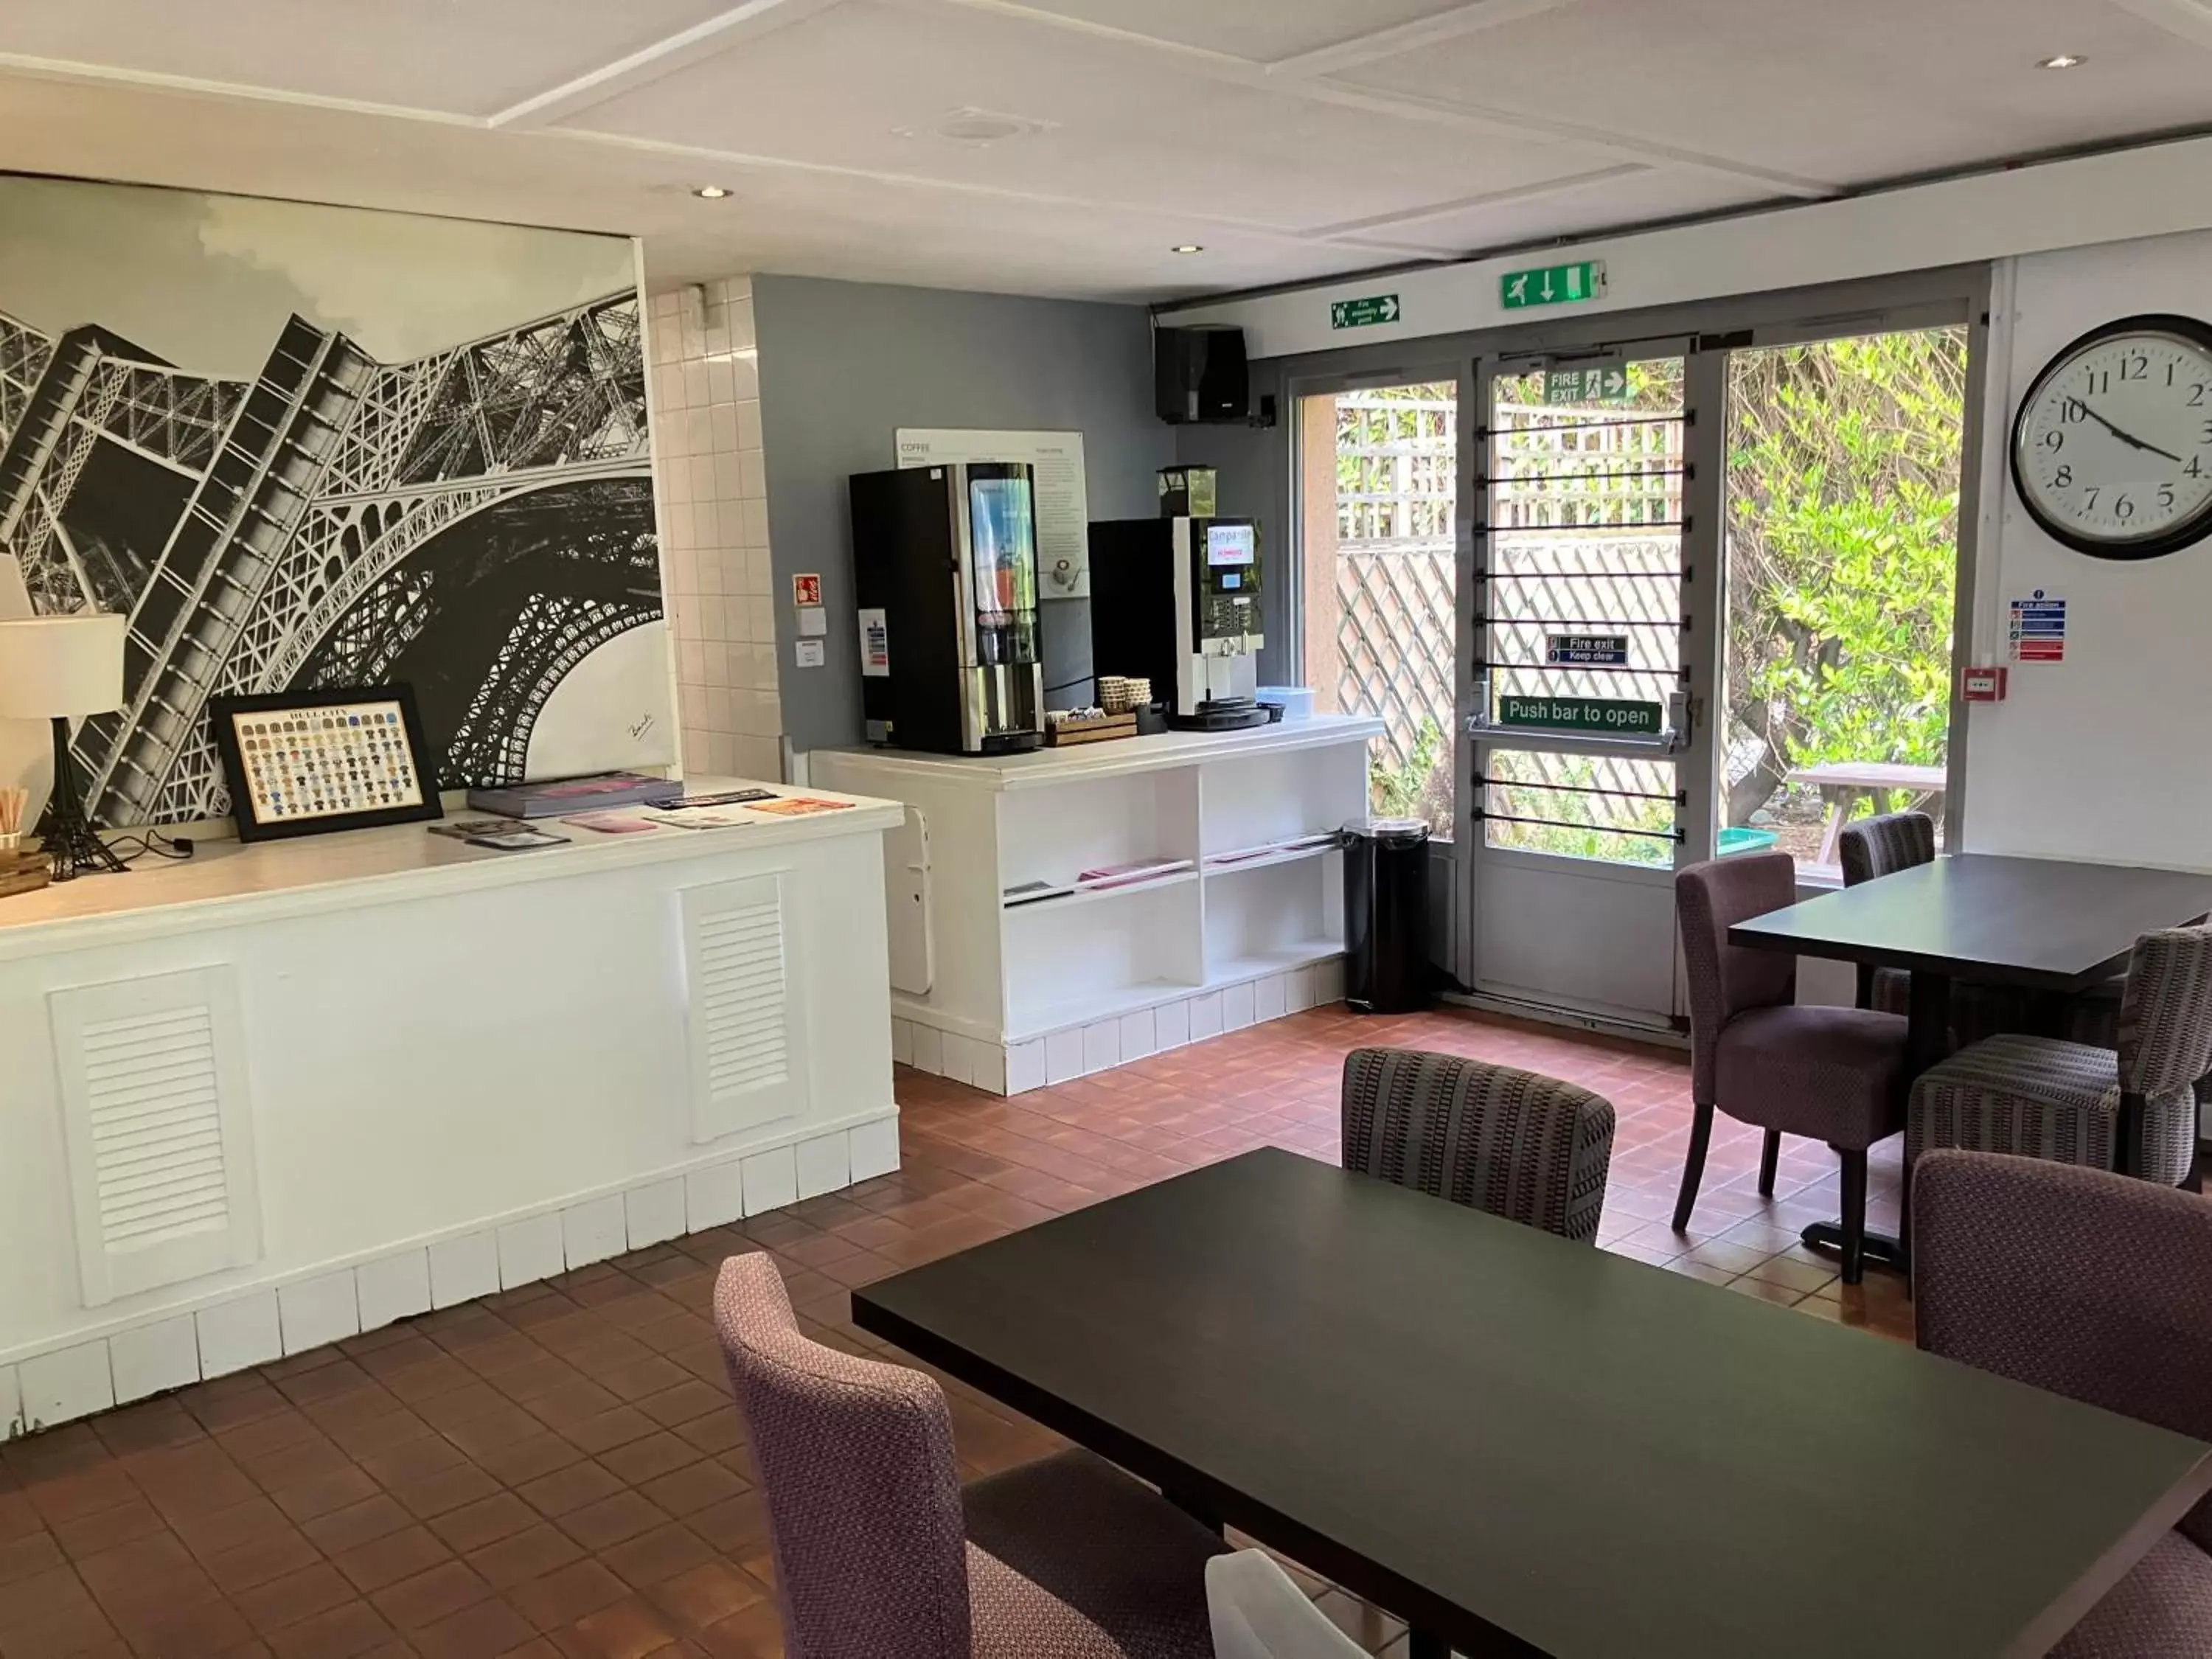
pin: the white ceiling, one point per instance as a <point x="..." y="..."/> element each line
<point x="1294" y="138"/>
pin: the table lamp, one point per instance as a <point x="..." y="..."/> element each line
<point x="57" y="669"/>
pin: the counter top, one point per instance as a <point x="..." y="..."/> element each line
<point x="227" y="882"/>
<point x="1115" y="756"/>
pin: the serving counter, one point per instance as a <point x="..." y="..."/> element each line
<point x="1010" y="970"/>
<point x="278" y="1094"/>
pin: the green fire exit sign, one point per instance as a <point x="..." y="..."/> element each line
<point x="1552" y="285"/>
<point x="1607" y="716"/>
<point x="1364" y="313"/>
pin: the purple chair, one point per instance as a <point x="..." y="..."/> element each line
<point x="881" y="1554"/>
<point x="1836" y="1074"/>
<point x="2098" y="1287"/>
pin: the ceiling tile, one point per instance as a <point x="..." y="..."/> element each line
<point x="473" y="58"/>
<point x="1633" y="197"/>
<point x="867" y="86"/>
<point x="1264" y="31"/>
<point x="1137" y="148"/>
<point x="1847" y="93"/>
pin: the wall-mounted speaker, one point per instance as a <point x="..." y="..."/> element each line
<point x="1199" y="375"/>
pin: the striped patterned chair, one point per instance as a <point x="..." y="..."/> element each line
<point x="881" y="1553"/>
<point x="2100" y="1289"/>
<point x="2133" y="1109"/>
<point x="1513" y="1143"/>
<point x="1873" y="849"/>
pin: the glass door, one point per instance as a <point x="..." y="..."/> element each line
<point x="1377" y="485"/>
<point x="1582" y="625"/>
<point x="1845" y="463"/>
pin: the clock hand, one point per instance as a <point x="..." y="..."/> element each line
<point x="2128" y="438"/>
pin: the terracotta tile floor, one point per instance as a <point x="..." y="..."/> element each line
<point x="558" y="1470"/>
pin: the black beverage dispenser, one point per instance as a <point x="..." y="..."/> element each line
<point x="944" y="576"/>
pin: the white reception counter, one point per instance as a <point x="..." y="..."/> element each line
<point x="1242" y="923"/>
<point x="282" y="1093"/>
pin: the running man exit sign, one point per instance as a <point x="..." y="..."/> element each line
<point x="1552" y="285"/>
<point x="1364" y="313"/>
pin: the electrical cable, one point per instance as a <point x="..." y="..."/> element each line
<point x="177" y="848"/>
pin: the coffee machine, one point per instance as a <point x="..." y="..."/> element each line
<point x="945" y="577"/>
<point x="1177" y="600"/>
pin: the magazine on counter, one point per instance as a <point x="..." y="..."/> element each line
<point x="697" y="818"/>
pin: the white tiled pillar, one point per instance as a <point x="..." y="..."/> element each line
<point x="713" y="492"/>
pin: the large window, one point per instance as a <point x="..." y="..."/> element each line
<point x="1377" y="498"/>
<point x="1842" y="561"/>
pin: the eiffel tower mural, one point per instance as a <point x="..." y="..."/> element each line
<point x="476" y="522"/>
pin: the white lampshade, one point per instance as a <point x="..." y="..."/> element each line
<point x="66" y="665"/>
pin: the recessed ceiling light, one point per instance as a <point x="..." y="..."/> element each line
<point x="1187" y="248"/>
<point x="2065" y="60"/>
<point x="710" y="193"/>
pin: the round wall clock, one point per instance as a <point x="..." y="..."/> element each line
<point x="2112" y="449"/>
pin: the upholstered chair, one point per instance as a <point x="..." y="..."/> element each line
<point x="1514" y="1144"/>
<point x="1260" y="1613"/>
<point x="881" y="1554"/>
<point x="1873" y="849"/>
<point x="2099" y="1288"/>
<point x="2132" y="1109"/>
<point x="1833" y="1074"/>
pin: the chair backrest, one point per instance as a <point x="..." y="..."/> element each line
<point x="2166" y="1011"/>
<point x="1726" y="980"/>
<point x="1259" y="1614"/>
<point x="1514" y="1144"/>
<point x="856" y="1462"/>
<point x="2086" y="1283"/>
<point x="1881" y="847"/>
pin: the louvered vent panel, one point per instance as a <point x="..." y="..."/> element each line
<point x="740" y="997"/>
<point x="156" y="1111"/>
<point x="161" y="1147"/>
<point x="748" y="1047"/>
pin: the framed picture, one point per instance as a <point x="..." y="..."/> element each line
<point x="301" y="763"/>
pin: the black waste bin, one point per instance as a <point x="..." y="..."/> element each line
<point x="1386" y="914"/>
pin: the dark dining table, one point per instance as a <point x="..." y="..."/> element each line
<point x="2050" y="926"/>
<point x="1524" y="1445"/>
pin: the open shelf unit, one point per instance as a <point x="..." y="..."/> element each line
<point x="1236" y="941"/>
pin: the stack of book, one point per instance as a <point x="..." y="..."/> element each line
<point x="23" y="872"/>
<point x="559" y="798"/>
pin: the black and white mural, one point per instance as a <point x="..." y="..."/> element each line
<point x="433" y="467"/>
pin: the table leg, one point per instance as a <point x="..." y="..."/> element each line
<point x="1201" y="1513"/>
<point x="1839" y="803"/>
<point x="1927" y="1039"/>
<point x="1928" y="1023"/>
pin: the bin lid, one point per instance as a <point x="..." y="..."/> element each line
<point x="1402" y="832"/>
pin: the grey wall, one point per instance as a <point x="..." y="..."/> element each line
<point x="843" y="365"/>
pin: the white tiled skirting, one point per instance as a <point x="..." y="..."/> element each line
<point x="179" y="1345"/>
<point x="1018" y="1067"/>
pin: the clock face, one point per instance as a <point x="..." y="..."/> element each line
<point x="2112" y="446"/>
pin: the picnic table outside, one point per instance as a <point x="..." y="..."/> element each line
<point x="1842" y="783"/>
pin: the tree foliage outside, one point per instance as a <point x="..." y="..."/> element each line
<point x="1410" y="788"/>
<point x="1842" y="529"/>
